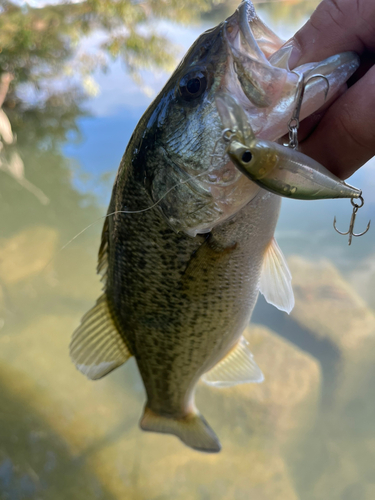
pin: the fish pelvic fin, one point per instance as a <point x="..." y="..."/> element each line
<point x="237" y="367"/>
<point x="276" y="280"/>
<point x="193" y="430"/>
<point x="97" y="346"/>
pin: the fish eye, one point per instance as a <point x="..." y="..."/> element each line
<point x="247" y="156"/>
<point x="192" y="85"/>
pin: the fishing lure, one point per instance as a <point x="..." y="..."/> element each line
<point x="279" y="169"/>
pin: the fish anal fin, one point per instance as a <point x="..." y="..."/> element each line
<point x="237" y="367"/>
<point x="97" y="347"/>
<point x="193" y="430"/>
<point x="276" y="280"/>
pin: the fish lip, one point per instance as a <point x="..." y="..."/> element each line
<point x="246" y="13"/>
<point x="239" y="22"/>
<point x="243" y="49"/>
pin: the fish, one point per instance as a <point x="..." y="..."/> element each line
<point x="279" y="169"/>
<point x="188" y="242"/>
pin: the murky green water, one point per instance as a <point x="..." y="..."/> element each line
<point x="307" y="432"/>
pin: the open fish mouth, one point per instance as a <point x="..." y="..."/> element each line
<point x="260" y="79"/>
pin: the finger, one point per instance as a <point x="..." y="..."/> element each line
<point x="367" y="61"/>
<point x="312" y="121"/>
<point x="336" y="26"/>
<point x="345" y="137"/>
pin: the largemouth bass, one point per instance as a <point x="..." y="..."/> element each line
<point x="181" y="276"/>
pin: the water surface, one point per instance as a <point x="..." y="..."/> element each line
<point x="306" y="433"/>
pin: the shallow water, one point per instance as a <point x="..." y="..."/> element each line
<point x="306" y="433"/>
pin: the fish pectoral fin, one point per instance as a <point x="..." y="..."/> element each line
<point x="237" y="367"/>
<point x="193" y="430"/>
<point x="276" y="280"/>
<point x="97" y="347"/>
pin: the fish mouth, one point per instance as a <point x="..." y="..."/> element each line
<point x="259" y="77"/>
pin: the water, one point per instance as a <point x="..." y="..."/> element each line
<point x="306" y="433"/>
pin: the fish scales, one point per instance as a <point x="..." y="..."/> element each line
<point x="176" y="294"/>
<point x="182" y="275"/>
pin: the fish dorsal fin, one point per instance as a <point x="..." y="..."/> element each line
<point x="237" y="367"/>
<point x="276" y="280"/>
<point x="103" y="252"/>
<point x="97" y="347"/>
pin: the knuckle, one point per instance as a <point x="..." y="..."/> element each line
<point x="337" y="13"/>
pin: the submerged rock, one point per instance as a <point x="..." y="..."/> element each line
<point x="282" y="408"/>
<point x="27" y="253"/>
<point x="35" y="462"/>
<point x="328" y="306"/>
<point x="341" y="452"/>
<point x="329" y="309"/>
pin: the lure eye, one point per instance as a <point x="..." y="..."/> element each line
<point x="247" y="157"/>
<point x="192" y="85"/>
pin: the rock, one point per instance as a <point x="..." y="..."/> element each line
<point x="78" y="265"/>
<point x="35" y="276"/>
<point x="339" y="464"/>
<point x="327" y="305"/>
<point x="330" y="310"/>
<point x="26" y="254"/>
<point x="35" y="461"/>
<point x="282" y="408"/>
<point x="239" y="473"/>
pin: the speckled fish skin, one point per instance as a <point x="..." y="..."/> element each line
<point x="182" y="278"/>
<point x="182" y="302"/>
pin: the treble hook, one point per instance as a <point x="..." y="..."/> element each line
<point x="350" y="231"/>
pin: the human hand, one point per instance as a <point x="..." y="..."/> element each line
<point x="342" y="136"/>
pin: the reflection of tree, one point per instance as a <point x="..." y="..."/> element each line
<point x="45" y="74"/>
<point x="38" y="45"/>
<point x="295" y="11"/>
<point x="10" y="161"/>
<point x="279" y="11"/>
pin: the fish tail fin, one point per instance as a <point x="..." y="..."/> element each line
<point x="193" y="430"/>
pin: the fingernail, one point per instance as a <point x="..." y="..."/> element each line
<point x="295" y="56"/>
<point x="296" y="53"/>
